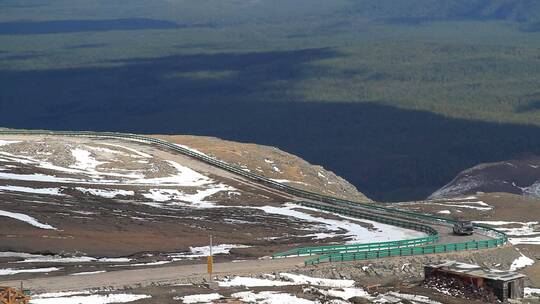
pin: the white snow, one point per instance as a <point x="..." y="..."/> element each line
<point x="356" y="233"/>
<point x="88" y="272"/>
<point x="285" y="279"/>
<point x="252" y="282"/>
<point x="37" y="178"/>
<point x="185" y="177"/>
<point x="525" y="241"/>
<point x="136" y="152"/>
<point x="88" y="299"/>
<point x="521" y="262"/>
<point x="61" y="294"/>
<point x="287" y="181"/>
<point x="178" y="198"/>
<point x="347" y="293"/>
<point x="25" y="218"/>
<point x="530" y="292"/>
<point x="200" y="298"/>
<point x="37" y="258"/>
<point x="48" y="191"/>
<point x="8" y="142"/>
<point x="396" y="297"/>
<point x="84" y="160"/>
<point x="269" y="297"/>
<point x="204" y="251"/>
<point x="305" y="280"/>
<point x="146" y="264"/>
<point x="478" y="205"/>
<point x="87" y="165"/>
<point x="10" y="271"/>
<point x="525" y="233"/>
<point x="193" y="150"/>
<point x="106" y="193"/>
<point x="445" y="212"/>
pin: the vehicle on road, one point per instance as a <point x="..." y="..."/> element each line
<point x="463" y="228"/>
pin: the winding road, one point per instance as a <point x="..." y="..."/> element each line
<point x="441" y="238"/>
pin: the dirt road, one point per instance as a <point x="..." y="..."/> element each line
<point x="155" y="276"/>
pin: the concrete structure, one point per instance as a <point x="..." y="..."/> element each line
<point x="505" y="285"/>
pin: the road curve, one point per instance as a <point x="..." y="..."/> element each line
<point x="172" y="274"/>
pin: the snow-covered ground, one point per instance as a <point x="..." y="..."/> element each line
<point x="269" y="297"/>
<point x="526" y="233"/>
<point x="204" y="251"/>
<point x="346" y="226"/>
<point x="11" y="271"/>
<point x="104" y="172"/>
<point x="27" y="219"/>
<point x="284" y="279"/>
<point x="85" y="297"/>
<point x="521" y="262"/>
<point x="340" y="291"/>
<point x="200" y="298"/>
<point x="37" y="258"/>
<point x="47" y="191"/>
<point x="532" y="292"/>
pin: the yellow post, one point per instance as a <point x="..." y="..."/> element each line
<point x="210" y="266"/>
<point x="210" y="261"/>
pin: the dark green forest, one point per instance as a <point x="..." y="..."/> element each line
<point x="395" y="96"/>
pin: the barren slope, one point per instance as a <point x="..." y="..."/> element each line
<point x="514" y="176"/>
<point x="70" y="205"/>
<point x="273" y="163"/>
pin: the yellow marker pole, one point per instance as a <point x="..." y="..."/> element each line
<point x="210" y="262"/>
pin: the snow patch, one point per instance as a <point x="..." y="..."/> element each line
<point x="106" y="193"/>
<point x="10" y="271"/>
<point x="269" y="297"/>
<point x="79" y="298"/>
<point x="521" y="262"/>
<point x="88" y="272"/>
<point x="200" y="298"/>
<point x="48" y="191"/>
<point x="305" y="280"/>
<point x="252" y="282"/>
<point x="197" y="252"/>
<point x="8" y="142"/>
<point x="27" y="219"/>
<point x="356" y="233"/>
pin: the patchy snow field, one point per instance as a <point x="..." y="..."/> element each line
<point x="312" y="291"/>
<point x="85" y="297"/>
<point x="346" y="226"/>
<point x="520" y="233"/>
<point x="88" y="199"/>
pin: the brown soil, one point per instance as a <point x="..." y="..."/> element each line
<point x="263" y="160"/>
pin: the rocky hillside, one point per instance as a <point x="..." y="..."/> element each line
<point x="273" y="163"/>
<point x="520" y="177"/>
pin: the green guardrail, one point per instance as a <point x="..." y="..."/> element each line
<point x="306" y="251"/>
<point x="432" y="237"/>
<point x="408" y="251"/>
<point x="281" y="187"/>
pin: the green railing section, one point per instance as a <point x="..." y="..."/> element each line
<point x="409" y="251"/>
<point x="336" y="202"/>
<point x="357" y="247"/>
<point x="432" y="237"/>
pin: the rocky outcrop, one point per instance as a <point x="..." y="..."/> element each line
<point x="520" y="177"/>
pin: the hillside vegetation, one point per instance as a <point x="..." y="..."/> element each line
<point x="395" y="96"/>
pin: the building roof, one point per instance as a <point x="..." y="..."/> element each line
<point x="476" y="271"/>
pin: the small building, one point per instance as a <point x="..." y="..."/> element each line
<point x="505" y="285"/>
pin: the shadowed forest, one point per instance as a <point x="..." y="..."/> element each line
<point x="395" y="101"/>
